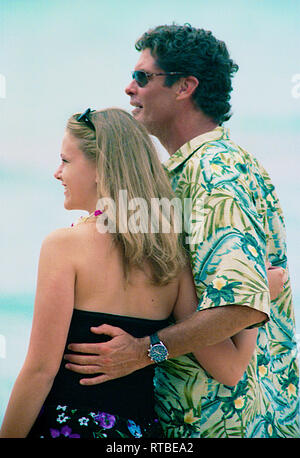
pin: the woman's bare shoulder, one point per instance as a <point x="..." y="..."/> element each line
<point x="72" y="233"/>
<point x="79" y="239"/>
<point x="60" y="241"/>
<point x="60" y="235"/>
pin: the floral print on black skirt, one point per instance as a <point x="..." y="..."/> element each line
<point x="65" y="422"/>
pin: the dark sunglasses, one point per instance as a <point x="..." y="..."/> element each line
<point x="142" y="78"/>
<point x="84" y="117"/>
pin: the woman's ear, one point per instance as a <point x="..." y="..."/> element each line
<point x="186" y="87"/>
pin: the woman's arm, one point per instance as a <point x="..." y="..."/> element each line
<point x="226" y="361"/>
<point x="53" y="309"/>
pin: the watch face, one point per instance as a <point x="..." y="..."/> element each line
<point x="158" y="353"/>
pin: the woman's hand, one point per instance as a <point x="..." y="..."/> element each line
<point x="277" y="276"/>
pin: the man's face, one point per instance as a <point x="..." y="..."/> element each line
<point x="155" y="103"/>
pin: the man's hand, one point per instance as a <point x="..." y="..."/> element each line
<point x="120" y="356"/>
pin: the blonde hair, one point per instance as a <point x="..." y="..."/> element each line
<point x="126" y="159"/>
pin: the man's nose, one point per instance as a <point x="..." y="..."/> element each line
<point x="131" y="88"/>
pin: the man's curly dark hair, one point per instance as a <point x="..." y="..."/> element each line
<point x="198" y="53"/>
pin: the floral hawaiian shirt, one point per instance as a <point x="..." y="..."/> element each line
<point x="234" y="223"/>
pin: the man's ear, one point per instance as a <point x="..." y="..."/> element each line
<point x="186" y="87"/>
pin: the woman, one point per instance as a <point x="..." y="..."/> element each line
<point x="91" y="274"/>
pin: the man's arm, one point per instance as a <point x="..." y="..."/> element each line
<point x="125" y="354"/>
<point x="209" y="327"/>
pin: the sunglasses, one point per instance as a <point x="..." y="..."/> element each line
<point x="142" y="78"/>
<point x="84" y="117"/>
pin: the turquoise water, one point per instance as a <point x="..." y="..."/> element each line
<point x="15" y="324"/>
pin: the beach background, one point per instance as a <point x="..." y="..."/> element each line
<point x="60" y="57"/>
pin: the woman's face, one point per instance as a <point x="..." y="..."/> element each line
<point x="78" y="176"/>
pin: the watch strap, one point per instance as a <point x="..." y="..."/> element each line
<point x="154" y="339"/>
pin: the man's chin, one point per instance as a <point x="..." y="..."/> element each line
<point x="138" y="116"/>
<point x="136" y="112"/>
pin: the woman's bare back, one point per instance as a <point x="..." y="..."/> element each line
<point x="100" y="284"/>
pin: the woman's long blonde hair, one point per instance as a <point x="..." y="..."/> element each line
<point x="126" y="159"/>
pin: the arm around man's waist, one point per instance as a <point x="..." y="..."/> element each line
<point x="124" y="354"/>
<point x="208" y="327"/>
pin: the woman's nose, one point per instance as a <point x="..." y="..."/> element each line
<point x="57" y="173"/>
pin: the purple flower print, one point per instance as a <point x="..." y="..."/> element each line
<point x="105" y="420"/>
<point x="54" y="433"/>
<point x="65" y="431"/>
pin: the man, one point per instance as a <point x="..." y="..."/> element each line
<point x="181" y="90"/>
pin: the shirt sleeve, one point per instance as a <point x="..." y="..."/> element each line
<point x="228" y="249"/>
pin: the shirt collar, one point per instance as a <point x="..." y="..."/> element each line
<point x="187" y="150"/>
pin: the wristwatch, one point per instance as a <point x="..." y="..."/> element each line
<point x="157" y="352"/>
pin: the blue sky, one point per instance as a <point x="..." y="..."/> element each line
<point x="59" y="57"/>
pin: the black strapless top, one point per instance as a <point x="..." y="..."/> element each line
<point x="130" y="396"/>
